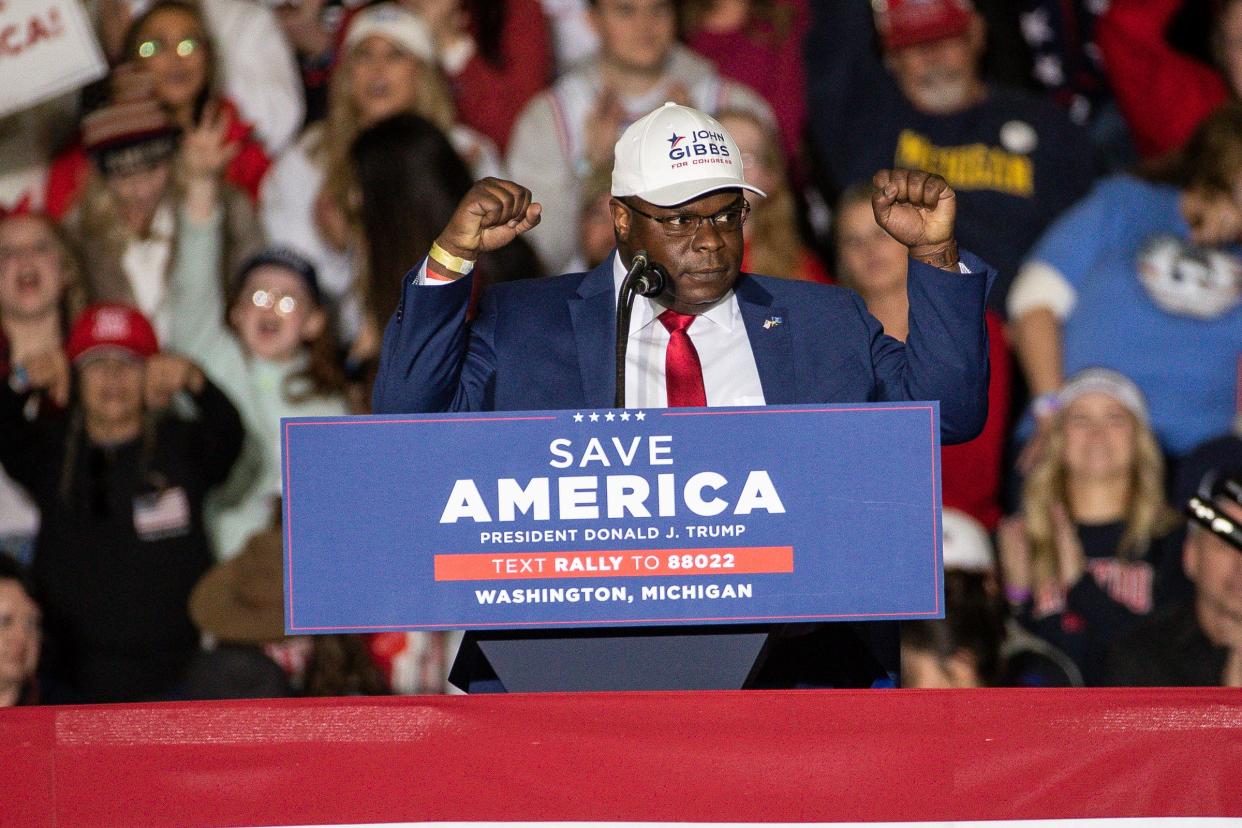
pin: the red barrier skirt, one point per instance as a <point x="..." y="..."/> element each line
<point x="815" y="756"/>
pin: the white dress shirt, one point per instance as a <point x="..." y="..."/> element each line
<point x="730" y="374"/>
<point x="145" y="262"/>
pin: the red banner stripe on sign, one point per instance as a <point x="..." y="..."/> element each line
<point x="742" y="560"/>
<point x="749" y="756"/>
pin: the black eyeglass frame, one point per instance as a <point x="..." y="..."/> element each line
<point x="665" y="221"/>
<point x="1204" y="511"/>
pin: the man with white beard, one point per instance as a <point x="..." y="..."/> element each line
<point x="1014" y="160"/>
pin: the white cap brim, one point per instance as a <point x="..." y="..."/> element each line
<point x="683" y="191"/>
<point x="403" y="28"/>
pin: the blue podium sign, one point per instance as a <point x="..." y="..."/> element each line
<point x="612" y="517"/>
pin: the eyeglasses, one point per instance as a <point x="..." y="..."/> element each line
<point x="1204" y="508"/>
<point x="184" y="47"/>
<point x="283" y="304"/>
<point x="687" y="224"/>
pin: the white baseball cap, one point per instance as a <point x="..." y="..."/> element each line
<point x="1104" y="381"/>
<point x="396" y="25"/>
<point x="966" y="543"/>
<point x="675" y="154"/>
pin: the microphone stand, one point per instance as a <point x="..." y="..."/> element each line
<point x="643" y="278"/>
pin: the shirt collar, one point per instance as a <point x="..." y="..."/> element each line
<point x="725" y="313"/>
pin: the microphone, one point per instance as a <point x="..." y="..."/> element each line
<point x="638" y="264"/>
<point x="652" y="281"/>
<point x="646" y="277"/>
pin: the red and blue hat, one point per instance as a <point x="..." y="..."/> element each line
<point x="111" y="329"/>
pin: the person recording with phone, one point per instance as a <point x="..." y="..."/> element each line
<point x="713" y="336"/>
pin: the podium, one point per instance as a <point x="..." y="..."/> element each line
<point x="674" y="658"/>
<point x="671" y="549"/>
<point x="648" y="659"/>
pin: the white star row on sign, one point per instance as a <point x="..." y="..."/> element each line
<point x="624" y="415"/>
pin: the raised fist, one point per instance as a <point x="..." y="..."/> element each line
<point x="493" y="213"/>
<point x="917" y="209"/>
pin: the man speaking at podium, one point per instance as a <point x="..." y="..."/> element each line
<point x="714" y="336"/>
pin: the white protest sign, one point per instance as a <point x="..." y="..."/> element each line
<point x="46" y="47"/>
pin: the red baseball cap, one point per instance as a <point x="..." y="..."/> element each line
<point x="910" y="22"/>
<point x="109" y="327"/>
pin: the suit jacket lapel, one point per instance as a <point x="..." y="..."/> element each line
<point x="767" y="327"/>
<point x="593" y="313"/>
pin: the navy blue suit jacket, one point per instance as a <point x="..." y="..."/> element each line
<point x="548" y="344"/>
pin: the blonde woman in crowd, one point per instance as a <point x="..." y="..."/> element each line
<point x="156" y="205"/>
<point x="388" y="66"/>
<point x="1091" y="552"/>
<point x="773" y="246"/>
<point x="40" y="295"/>
<point x="40" y="291"/>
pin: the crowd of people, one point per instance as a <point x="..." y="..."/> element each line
<point x="213" y="237"/>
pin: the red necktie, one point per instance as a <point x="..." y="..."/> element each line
<point x="683" y="373"/>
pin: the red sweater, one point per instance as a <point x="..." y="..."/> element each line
<point x="67" y="176"/>
<point x="489" y="99"/>
<point x="1163" y="93"/>
<point x="971" y="472"/>
<point x="769" y="65"/>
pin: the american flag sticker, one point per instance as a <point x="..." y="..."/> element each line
<point x="164" y="514"/>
